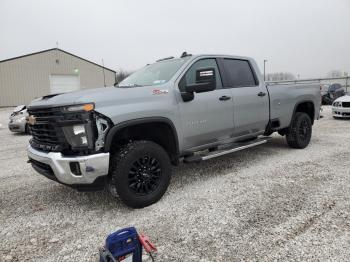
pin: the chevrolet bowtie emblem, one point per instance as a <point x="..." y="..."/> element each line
<point x="31" y="120"/>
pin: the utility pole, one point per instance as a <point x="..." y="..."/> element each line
<point x="264" y="69"/>
<point x="103" y="70"/>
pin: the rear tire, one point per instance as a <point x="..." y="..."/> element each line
<point x="140" y="173"/>
<point x="300" y="131"/>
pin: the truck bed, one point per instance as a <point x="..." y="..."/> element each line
<point x="285" y="97"/>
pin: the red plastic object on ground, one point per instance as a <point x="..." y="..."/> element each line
<point x="147" y="244"/>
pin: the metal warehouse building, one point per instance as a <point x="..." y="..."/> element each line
<point x="50" y="71"/>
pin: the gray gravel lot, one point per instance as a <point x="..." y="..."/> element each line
<point x="266" y="203"/>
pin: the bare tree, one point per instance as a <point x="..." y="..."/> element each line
<point x="280" y="76"/>
<point x="335" y="73"/>
<point x="121" y="75"/>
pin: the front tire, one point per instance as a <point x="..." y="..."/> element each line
<point x="140" y="173"/>
<point x="300" y="131"/>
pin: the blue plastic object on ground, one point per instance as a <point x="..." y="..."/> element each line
<point x="122" y="245"/>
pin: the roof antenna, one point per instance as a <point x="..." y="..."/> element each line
<point x="184" y="54"/>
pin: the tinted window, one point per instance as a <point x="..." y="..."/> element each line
<point x="190" y="77"/>
<point x="239" y="73"/>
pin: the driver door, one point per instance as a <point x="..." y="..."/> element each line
<point x="208" y="118"/>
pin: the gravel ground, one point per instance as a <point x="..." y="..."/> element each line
<point x="266" y="203"/>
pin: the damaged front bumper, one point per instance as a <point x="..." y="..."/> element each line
<point x="72" y="171"/>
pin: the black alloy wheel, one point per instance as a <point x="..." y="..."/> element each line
<point x="300" y="131"/>
<point x="304" y="130"/>
<point x="144" y="175"/>
<point x="140" y="173"/>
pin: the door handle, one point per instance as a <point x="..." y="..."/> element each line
<point x="224" y="98"/>
<point x="261" y="94"/>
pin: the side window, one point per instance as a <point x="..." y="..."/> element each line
<point x="239" y="72"/>
<point x="190" y="76"/>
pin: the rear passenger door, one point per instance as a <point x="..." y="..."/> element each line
<point x="249" y="97"/>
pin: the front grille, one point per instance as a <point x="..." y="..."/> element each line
<point x="46" y="132"/>
<point x="346" y="104"/>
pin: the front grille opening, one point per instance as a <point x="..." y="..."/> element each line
<point x="75" y="168"/>
<point x="47" y="136"/>
<point x="346" y="104"/>
<point x="47" y="132"/>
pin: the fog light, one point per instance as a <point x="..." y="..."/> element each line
<point x="75" y="168"/>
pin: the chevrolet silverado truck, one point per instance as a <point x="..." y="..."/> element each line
<point x="188" y="109"/>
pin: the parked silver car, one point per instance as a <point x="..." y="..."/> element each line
<point x="18" y="122"/>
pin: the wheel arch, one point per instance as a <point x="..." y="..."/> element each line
<point x="140" y="128"/>
<point x="306" y="106"/>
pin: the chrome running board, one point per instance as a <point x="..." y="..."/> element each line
<point x="225" y="149"/>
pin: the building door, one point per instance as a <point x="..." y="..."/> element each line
<point x="64" y="83"/>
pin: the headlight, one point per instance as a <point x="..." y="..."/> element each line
<point x="78" y="129"/>
<point x="84" y="107"/>
<point x="79" y="136"/>
<point x="337" y="104"/>
<point x="79" y="133"/>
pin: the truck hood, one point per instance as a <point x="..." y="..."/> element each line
<point x="71" y="98"/>
<point x="102" y="97"/>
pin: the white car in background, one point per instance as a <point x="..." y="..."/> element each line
<point x="341" y="107"/>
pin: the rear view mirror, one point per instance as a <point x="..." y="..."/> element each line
<point x="205" y="81"/>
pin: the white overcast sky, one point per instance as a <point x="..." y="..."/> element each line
<point x="306" y="37"/>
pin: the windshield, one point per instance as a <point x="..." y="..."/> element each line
<point x="154" y="74"/>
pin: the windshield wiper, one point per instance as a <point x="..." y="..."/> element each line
<point x="128" y="86"/>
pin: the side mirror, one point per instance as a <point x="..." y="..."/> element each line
<point x="205" y="81"/>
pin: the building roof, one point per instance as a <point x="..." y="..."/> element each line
<point x="52" y="49"/>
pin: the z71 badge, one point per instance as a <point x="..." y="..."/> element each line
<point x="160" y="91"/>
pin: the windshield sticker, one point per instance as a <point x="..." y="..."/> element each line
<point x="160" y="91"/>
<point x="158" y="82"/>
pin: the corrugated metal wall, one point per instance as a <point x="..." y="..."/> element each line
<point x="26" y="78"/>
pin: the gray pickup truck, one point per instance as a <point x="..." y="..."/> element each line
<point x="190" y="109"/>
